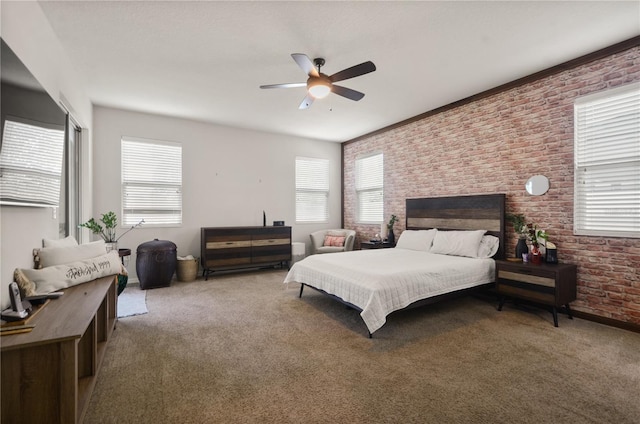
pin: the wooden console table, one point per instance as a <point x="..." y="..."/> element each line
<point x="49" y="373"/>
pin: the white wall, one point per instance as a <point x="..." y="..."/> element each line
<point x="25" y="29"/>
<point x="229" y="176"/>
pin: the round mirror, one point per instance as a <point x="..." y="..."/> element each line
<point x="537" y="185"/>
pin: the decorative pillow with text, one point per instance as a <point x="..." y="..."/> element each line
<point x="47" y="280"/>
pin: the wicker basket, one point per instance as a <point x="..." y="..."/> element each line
<point x="187" y="269"/>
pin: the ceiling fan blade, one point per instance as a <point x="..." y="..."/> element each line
<point x="287" y="85"/>
<point x="308" y="101"/>
<point x="305" y="64"/>
<point x="347" y="92"/>
<point x="354" y="71"/>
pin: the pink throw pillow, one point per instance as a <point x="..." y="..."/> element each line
<point x="334" y="241"/>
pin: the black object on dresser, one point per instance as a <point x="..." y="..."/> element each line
<point x="548" y="284"/>
<point x="226" y="248"/>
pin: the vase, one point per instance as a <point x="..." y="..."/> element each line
<point x="521" y="248"/>
<point x="391" y="238"/>
<point x="111" y="245"/>
<point x="536" y="258"/>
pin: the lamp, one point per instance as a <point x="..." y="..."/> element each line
<point x="319" y="87"/>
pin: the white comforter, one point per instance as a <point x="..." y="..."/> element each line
<point x="381" y="281"/>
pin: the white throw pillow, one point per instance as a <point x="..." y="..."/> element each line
<point x="416" y="239"/>
<point x="67" y="241"/>
<point x="488" y="246"/>
<point x="457" y="243"/>
<point x="47" y="280"/>
<point x="52" y="256"/>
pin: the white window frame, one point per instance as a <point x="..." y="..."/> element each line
<point x="312" y="190"/>
<point x="607" y="163"/>
<point x="151" y="182"/>
<point x="369" y="184"/>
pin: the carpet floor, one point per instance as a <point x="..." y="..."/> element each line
<point x="243" y="348"/>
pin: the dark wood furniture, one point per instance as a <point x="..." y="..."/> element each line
<point x="375" y="245"/>
<point x="548" y="284"/>
<point x="474" y="212"/>
<point x="226" y="248"/>
<point x="49" y="373"/>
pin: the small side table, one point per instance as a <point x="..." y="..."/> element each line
<point x="364" y="245"/>
<point x="124" y="253"/>
<point x="548" y="284"/>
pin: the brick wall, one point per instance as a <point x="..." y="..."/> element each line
<point x="493" y="145"/>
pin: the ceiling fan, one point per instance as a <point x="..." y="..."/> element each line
<point x="319" y="85"/>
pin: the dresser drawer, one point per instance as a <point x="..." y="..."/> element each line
<point x="270" y="242"/>
<point x="231" y="244"/>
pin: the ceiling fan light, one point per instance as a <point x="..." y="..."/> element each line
<point x="318" y="89"/>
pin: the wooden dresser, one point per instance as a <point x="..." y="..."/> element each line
<point x="49" y="373"/>
<point x="225" y="248"/>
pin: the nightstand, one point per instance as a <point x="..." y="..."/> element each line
<point x="548" y="284"/>
<point x="374" y="245"/>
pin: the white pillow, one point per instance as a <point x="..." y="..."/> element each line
<point x="47" y="280"/>
<point x="416" y="239"/>
<point x="52" y="256"/>
<point x="488" y="246"/>
<point x="457" y="243"/>
<point x="67" y="241"/>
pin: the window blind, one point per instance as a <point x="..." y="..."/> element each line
<point x="607" y="163"/>
<point x="151" y="182"/>
<point x="370" y="188"/>
<point x="31" y="163"/>
<point x="312" y="190"/>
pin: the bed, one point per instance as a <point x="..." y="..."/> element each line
<point x="436" y="259"/>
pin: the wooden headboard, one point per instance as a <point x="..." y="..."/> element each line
<point x="478" y="212"/>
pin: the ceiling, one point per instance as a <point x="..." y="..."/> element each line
<point x="206" y="60"/>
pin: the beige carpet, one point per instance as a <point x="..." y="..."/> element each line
<point x="242" y="348"/>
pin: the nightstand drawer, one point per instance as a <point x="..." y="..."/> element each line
<point x="536" y="293"/>
<point x="527" y="278"/>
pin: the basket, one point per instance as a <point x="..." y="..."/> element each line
<point x="187" y="269"/>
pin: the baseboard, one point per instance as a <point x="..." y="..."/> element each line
<point x="606" y="321"/>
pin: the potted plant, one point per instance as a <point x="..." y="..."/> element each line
<point x="535" y="235"/>
<point x="391" y="238"/>
<point x="522" y="230"/>
<point x="108" y="231"/>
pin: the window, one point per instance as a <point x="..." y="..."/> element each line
<point x="71" y="188"/>
<point x="312" y="190"/>
<point x="369" y="189"/>
<point x="151" y="182"/>
<point x="31" y="163"/>
<point x="607" y="163"/>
